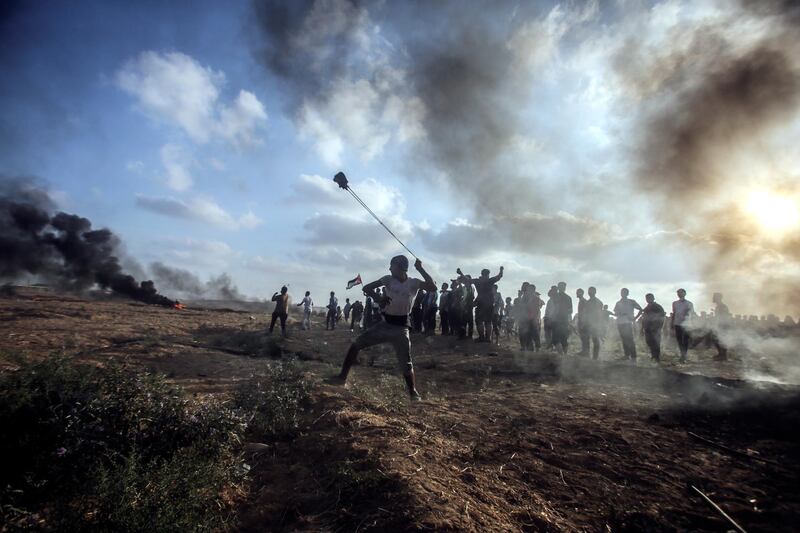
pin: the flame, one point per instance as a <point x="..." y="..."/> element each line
<point x="179" y="305"/>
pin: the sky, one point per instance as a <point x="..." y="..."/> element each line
<point x="648" y="145"/>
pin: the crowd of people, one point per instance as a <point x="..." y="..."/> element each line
<point x="472" y="308"/>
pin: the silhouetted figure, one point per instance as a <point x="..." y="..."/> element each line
<point x="722" y="322"/>
<point x="484" y="301"/>
<point x="356" y="312"/>
<point x="508" y="317"/>
<point x="595" y="320"/>
<point x="416" y="312"/>
<point x="400" y="292"/>
<point x="624" y="311"/>
<point x="330" y="318"/>
<point x="347" y="307"/>
<point x="497" y="313"/>
<point x="281" y="309"/>
<point x="444" y="309"/>
<point x="562" y="317"/>
<point x="653" y="316"/>
<point x="368" y="316"/>
<point x="429" y="308"/>
<point x="682" y="312"/>
<point x="583" y="330"/>
<point x="549" y="311"/>
<point x="529" y="317"/>
<point x="308" y="308"/>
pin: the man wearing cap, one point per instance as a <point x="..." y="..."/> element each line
<point x="399" y="294"/>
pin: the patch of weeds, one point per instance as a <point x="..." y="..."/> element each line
<point x="113" y="449"/>
<point x="387" y="393"/>
<point x="274" y="401"/>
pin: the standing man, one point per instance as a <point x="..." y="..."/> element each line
<point x="562" y="317"/>
<point x="497" y="313"/>
<point x="281" y="307"/>
<point x="548" y="317"/>
<point x="530" y="317"/>
<point x="484" y="300"/>
<point x="682" y="313"/>
<point x="722" y="321"/>
<point x="356" y="311"/>
<point x="595" y="319"/>
<point x="583" y="323"/>
<point x="653" y="316"/>
<point x="346" y="309"/>
<point x="308" y="308"/>
<point x="401" y="291"/>
<point x="429" y="309"/>
<point x="330" y="319"/>
<point x="444" y="310"/>
<point x="623" y="310"/>
<point x="367" y="313"/>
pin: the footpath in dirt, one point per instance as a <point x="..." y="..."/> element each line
<point x="501" y="442"/>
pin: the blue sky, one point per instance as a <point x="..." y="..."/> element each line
<point x="171" y="124"/>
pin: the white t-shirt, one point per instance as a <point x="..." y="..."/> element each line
<point x="682" y="311"/>
<point x="308" y="303"/>
<point x="402" y="294"/>
<point x="624" y="310"/>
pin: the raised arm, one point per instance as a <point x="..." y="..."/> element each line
<point x="497" y="278"/>
<point x="429" y="285"/>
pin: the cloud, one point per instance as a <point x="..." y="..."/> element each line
<point x="347" y="94"/>
<point x="197" y="208"/>
<point x="174" y="88"/>
<point x="176" y="162"/>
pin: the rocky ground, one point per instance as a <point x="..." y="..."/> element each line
<point x="503" y="441"/>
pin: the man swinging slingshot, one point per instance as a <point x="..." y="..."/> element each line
<point x="399" y="293"/>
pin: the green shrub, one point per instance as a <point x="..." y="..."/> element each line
<point x="274" y="401"/>
<point x="112" y="448"/>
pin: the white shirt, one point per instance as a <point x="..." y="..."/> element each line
<point x="308" y="303"/>
<point x="682" y="311"/>
<point x="402" y="294"/>
<point x="624" y="310"/>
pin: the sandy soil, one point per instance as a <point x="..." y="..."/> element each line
<point x="503" y="441"/>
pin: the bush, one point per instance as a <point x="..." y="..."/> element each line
<point x="274" y="402"/>
<point x="111" y="448"/>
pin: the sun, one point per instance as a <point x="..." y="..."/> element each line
<point x="775" y="213"/>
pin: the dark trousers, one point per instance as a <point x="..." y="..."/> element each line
<point x="355" y="320"/>
<point x="560" y="335"/>
<point x="584" y="334"/>
<point x="469" y="322"/>
<point x="588" y="334"/>
<point x="682" y="336"/>
<point x="628" y="344"/>
<point x="548" y="333"/>
<point x="330" y="320"/>
<point x="276" y="316"/>
<point x="529" y="334"/>
<point x="430" y="321"/>
<point x="416" y="319"/>
<point x="444" y="322"/>
<point x="652" y="336"/>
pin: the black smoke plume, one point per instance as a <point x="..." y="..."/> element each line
<point x="186" y="285"/>
<point x="62" y="249"/>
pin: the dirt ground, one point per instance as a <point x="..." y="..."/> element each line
<point x="503" y="441"/>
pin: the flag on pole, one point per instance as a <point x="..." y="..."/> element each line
<point x="353" y="282"/>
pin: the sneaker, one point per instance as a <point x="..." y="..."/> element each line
<point x="415" y="397"/>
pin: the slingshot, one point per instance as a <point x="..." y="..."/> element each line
<point x="341" y="181"/>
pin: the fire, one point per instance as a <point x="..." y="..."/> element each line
<point x="179" y="305"/>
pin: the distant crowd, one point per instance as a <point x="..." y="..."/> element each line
<point x="458" y="310"/>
